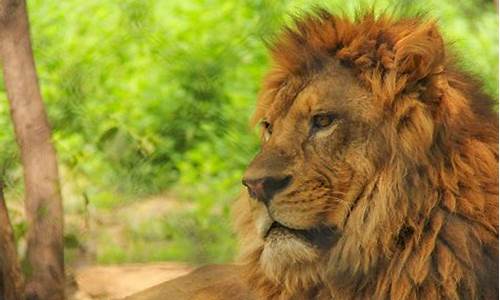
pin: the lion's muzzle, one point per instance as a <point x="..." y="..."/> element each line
<point x="263" y="189"/>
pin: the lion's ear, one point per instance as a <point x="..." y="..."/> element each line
<point x="420" y="53"/>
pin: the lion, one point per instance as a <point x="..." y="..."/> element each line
<point x="378" y="171"/>
<point x="377" y="176"/>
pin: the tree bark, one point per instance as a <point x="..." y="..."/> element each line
<point x="11" y="280"/>
<point x="43" y="203"/>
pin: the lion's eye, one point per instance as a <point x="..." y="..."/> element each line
<point x="322" y="120"/>
<point x="267" y="126"/>
<point x="268" y="130"/>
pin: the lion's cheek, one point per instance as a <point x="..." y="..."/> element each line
<point x="336" y="216"/>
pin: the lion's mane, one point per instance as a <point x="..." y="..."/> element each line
<point x="426" y="226"/>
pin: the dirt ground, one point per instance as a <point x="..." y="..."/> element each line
<point x="116" y="282"/>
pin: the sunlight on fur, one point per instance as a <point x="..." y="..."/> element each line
<point x="378" y="174"/>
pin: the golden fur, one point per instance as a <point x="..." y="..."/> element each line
<point x="406" y="177"/>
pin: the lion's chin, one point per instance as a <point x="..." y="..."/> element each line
<point x="286" y="250"/>
<point x="284" y="244"/>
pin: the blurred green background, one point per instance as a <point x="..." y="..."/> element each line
<point x="149" y="103"/>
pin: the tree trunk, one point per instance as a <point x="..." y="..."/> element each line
<point x="11" y="280"/>
<point x="45" y="278"/>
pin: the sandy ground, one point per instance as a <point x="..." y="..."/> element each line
<point x="116" y="282"/>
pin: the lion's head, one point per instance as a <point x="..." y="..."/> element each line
<point x="373" y="150"/>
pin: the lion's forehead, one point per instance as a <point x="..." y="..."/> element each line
<point x="333" y="90"/>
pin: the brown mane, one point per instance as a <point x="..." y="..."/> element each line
<point x="426" y="225"/>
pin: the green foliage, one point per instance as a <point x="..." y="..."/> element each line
<point x="148" y="96"/>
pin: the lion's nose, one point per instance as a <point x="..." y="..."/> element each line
<point x="263" y="189"/>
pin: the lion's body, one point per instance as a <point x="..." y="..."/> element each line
<point x="421" y="219"/>
<point x="213" y="282"/>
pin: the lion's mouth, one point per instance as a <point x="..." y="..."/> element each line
<point x="322" y="236"/>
